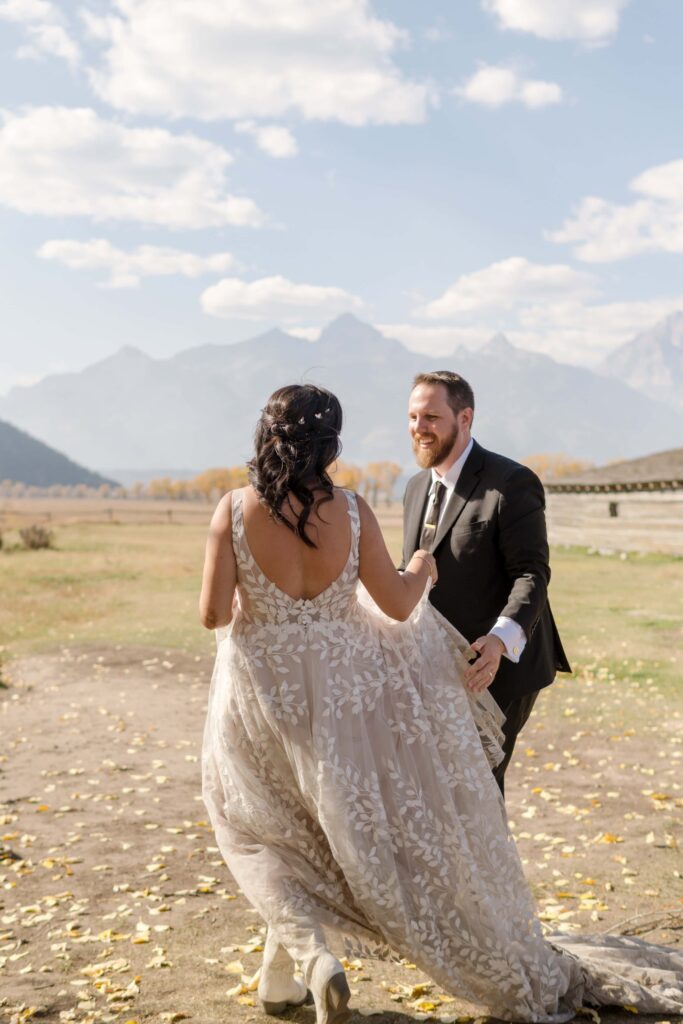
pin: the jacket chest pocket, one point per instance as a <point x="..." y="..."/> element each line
<point x="474" y="527"/>
<point x="468" y="537"/>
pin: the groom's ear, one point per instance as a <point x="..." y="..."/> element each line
<point x="465" y="417"/>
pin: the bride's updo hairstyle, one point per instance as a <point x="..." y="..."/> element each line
<point x="296" y="441"/>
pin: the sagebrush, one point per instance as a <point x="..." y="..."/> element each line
<point x="36" y="536"/>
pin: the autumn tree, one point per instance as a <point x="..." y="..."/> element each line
<point x="160" y="488"/>
<point x="555" y="465"/>
<point x="214" y="482"/>
<point x="379" y="480"/>
<point x="345" y="474"/>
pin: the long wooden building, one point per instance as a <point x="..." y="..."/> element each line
<point x="662" y="471"/>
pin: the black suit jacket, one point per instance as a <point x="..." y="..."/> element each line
<point x="491" y="551"/>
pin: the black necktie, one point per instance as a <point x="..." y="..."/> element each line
<point x="432" y="518"/>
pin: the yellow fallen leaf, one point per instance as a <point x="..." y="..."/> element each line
<point x="234" y="967"/>
<point x="237" y="990"/>
<point x="418" y="990"/>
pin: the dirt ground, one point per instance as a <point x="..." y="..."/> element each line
<point x="115" y="903"/>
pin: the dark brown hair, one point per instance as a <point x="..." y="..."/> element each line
<point x="296" y="440"/>
<point x="460" y="394"/>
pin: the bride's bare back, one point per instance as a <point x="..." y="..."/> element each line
<point x="300" y="571"/>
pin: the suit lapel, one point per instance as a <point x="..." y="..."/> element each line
<point x="414" y="514"/>
<point x="467" y="481"/>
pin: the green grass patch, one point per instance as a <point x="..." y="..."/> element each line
<point x="620" y="617"/>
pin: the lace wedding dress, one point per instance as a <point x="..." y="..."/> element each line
<point x="347" y="775"/>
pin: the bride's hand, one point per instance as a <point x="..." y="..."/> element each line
<point x="428" y="558"/>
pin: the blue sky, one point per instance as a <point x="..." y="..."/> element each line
<point x="173" y="174"/>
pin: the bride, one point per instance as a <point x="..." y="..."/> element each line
<point x="347" y="768"/>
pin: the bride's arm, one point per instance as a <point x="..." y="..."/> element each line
<point x="396" y="593"/>
<point x="220" y="570"/>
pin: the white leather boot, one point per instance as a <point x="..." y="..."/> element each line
<point x="279" y="987"/>
<point x="327" y="981"/>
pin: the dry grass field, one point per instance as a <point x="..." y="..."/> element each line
<point x="115" y="905"/>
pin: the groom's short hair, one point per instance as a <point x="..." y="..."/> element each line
<point x="460" y="394"/>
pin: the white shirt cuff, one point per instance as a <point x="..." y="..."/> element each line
<point x="512" y="635"/>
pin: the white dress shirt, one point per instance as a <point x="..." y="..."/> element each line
<point x="506" y="629"/>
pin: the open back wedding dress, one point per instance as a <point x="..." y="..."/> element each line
<point x="347" y="773"/>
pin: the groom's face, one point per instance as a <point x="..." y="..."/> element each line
<point x="434" y="428"/>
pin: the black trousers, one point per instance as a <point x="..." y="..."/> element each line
<point x="516" y="714"/>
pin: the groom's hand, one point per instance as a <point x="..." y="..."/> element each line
<point x="482" y="672"/>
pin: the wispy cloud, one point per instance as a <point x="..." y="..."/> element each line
<point x="274" y="139"/>
<point x="602" y="231"/>
<point x="45" y="27"/>
<point x="548" y="308"/>
<point x="589" y="21"/>
<point x="64" y="161"/>
<point x="506" y="284"/>
<point x="126" y="269"/>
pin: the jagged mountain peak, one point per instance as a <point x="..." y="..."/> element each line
<point x="126" y="357"/>
<point x="499" y="344"/>
<point x="346" y="330"/>
<point x="652" y="362"/>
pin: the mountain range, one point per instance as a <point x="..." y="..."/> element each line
<point x="198" y="408"/>
<point x="25" y="459"/>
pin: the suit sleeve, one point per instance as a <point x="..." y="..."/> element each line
<point x="523" y="544"/>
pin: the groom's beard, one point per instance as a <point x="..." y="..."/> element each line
<point x="437" y="453"/>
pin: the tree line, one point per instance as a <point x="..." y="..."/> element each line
<point x="376" y="481"/>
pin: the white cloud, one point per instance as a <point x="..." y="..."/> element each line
<point x="63" y="161"/>
<point x="273" y="139"/>
<point x="508" y="284"/>
<point x="602" y="232"/>
<point x="552" y="309"/>
<point x="126" y="269"/>
<point x="45" y="27"/>
<point x="23" y="11"/>
<point x="584" y="334"/>
<point x="494" y="86"/>
<point x="590" y="21"/>
<point x="50" y="40"/>
<point x="275" y="298"/>
<point x="324" y="61"/>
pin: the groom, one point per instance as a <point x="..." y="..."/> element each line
<point x="482" y="516"/>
